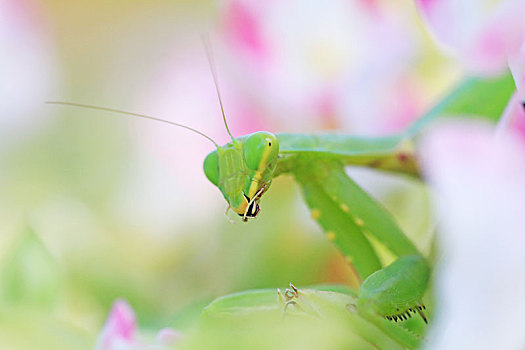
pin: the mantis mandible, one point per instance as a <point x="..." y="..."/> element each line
<point x="244" y="169"/>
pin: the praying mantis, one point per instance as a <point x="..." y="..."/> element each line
<point x="244" y="169"/>
<point x="348" y="215"/>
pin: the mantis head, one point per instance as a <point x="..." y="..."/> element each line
<point x="243" y="170"/>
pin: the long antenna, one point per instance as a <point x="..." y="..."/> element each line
<point x="112" y="110"/>
<point x="209" y="52"/>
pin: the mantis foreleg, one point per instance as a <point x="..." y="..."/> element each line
<point x="325" y="304"/>
<point x="367" y="213"/>
<point x="401" y="335"/>
<point x="346" y="213"/>
<point x="310" y="308"/>
<point x="340" y="227"/>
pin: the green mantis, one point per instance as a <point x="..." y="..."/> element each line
<point x="347" y="214"/>
<point x="244" y="169"/>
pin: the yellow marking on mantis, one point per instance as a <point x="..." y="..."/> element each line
<point x="316" y="214"/>
<point x="359" y="222"/>
<point x="330" y="235"/>
<point x="344" y="208"/>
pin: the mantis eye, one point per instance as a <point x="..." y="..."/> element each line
<point x="260" y="150"/>
<point x="211" y="167"/>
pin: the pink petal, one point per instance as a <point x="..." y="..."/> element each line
<point x="120" y="327"/>
<point x="500" y="37"/>
<point x="243" y="29"/>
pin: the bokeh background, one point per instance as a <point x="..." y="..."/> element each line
<point x="95" y="207"/>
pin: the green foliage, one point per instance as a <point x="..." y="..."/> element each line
<point x="472" y="98"/>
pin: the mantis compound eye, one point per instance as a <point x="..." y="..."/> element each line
<point x="260" y="150"/>
<point x="211" y="167"/>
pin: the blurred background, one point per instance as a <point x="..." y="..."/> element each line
<point x="95" y="206"/>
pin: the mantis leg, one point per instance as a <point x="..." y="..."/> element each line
<point x="338" y="224"/>
<point x="310" y="308"/>
<point x="347" y="213"/>
<point x="364" y="323"/>
<point x="366" y="212"/>
<point x="377" y="331"/>
<point x="400" y="335"/>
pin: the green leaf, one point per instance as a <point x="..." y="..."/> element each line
<point x="30" y="275"/>
<point x="474" y="97"/>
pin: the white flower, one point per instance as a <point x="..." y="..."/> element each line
<point x="480" y="195"/>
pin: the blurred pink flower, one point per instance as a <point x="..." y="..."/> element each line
<point x="243" y="30"/>
<point x="120" y="328"/>
<point x="480" y="194"/>
<point x="486" y="34"/>
<point x="120" y="331"/>
<point x="329" y="67"/>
